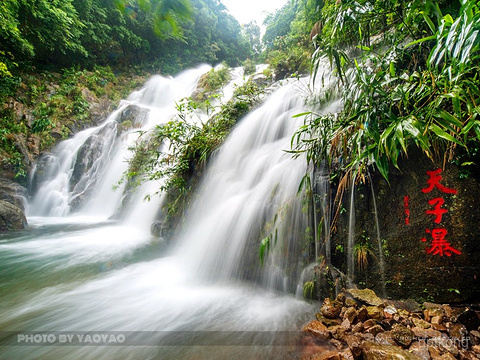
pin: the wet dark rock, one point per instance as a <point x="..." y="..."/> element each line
<point x="402" y="335"/>
<point x="13" y="193"/>
<point x="470" y="319"/>
<point x="132" y="116"/>
<point x="362" y="314"/>
<point x="11" y="217"/>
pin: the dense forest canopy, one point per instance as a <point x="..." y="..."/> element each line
<point x="170" y="34"/>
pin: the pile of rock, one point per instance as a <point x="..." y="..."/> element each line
<point x="360" y="325"/>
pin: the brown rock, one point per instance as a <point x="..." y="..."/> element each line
<point x="446" y="344"/>
<point x="458" y="331"/>
<point x="374" y="330"/>
<point x="389" y="311"/>
<point x="369" y="323"/>
<point x="337" y="343"/>
<point x="337" y="332"/>
<point x="358" y="327"/>
<point x="420" y="349"/>
<point x="341" y="298"/>
<point x="448" y="356"/>
<point x="317" y="329"/>
<point x="346" y="324"/>
<point x="350" y="314"/>
<point x="362" y="314"/>
<point x="372" y="351"/>
<point x="332" y="355"/>
<point x="466" y="355"/>
<point x="375" y="313"/>
<point x="330" y="309"/>
<point x="366" y="295"/>
<point x="434" y="353"/>
<point x="432" y="310"/>
<point x="349" y="302"/>
<point x="327" y="321"/>
<point x="439" y="327"/>
<point x="402" y="335"/>
<point x="475" y="333"/>
<point x="368" y="337"/>
<point x="437" y="320"/>
<point x="354" y="344"/>
<point x="476" y="349"/>
<point x="421" y="323"/>
<point x="385" y="338"/>
<point x="426" y="333"/>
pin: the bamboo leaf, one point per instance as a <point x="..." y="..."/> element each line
<point x="442" y="134"/>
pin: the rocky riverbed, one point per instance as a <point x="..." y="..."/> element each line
<point x="358" y="324"/>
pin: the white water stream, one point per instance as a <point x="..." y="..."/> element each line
<point x="75" y="270"/>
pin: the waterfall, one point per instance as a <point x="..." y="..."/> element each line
<point x="77" y="178"/>
<point x="351" y="234"/>
<point x="381" y="258"/>
<point x="81" y="271"/>
<point x="250" y="182"/>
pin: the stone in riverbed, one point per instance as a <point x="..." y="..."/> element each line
<point x="365" y="295"/>
<point x="375" y="313"/>
<point x="402" y="335"/>
<point x="317" y="329"/>
<point x="331" y="309"/>
<point x="421" y="323"/>
<point x="385" y="338"/>
<point x="350" y="315"/>
<point x="372" y="351"/>
<point x="11" y="217"/>
<point x="419" y="349"/>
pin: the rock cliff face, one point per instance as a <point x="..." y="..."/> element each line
<point x="428" y="220"/>
<point x="12" y="209"/>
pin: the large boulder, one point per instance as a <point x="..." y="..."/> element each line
<point x="11" y="217"/>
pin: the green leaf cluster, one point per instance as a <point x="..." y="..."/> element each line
<point x="425" y="93"/>
<point x="175" y="153"/>
<point x="168" y="34"/>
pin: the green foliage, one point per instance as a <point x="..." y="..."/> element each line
<point x="175" y="152"/>
<point x="424" y="94"/>
<point x="213" y="81"/>
<point x="169" y="35"/>
<point x="288" y="48"/>
<point x="249" y="67"/>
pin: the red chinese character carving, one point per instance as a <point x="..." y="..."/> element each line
<point x="440" y="246"/>
<point x="406" y="199"/>
<point x="437" y="211"/>
<point x="434" y="181"/>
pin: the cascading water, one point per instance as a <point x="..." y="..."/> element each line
<point x="88" y="273"/>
